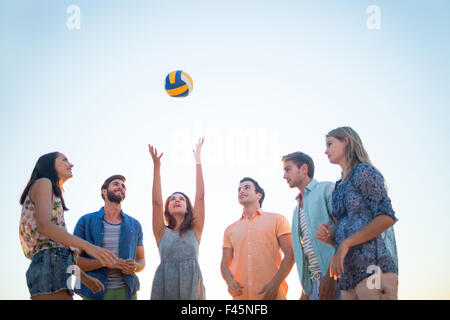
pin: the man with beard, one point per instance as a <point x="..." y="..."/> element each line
<point x="114" y="230"/>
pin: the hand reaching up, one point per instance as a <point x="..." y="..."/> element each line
<point x="198" y="150"/>
<point x="154" y="153"/>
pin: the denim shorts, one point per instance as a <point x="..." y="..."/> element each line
<point x="49" y="271"/>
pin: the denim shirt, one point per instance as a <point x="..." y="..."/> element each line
<point x="355" y="204"/>
<point x="90" y="228"/>
<point x="317" y="206"/>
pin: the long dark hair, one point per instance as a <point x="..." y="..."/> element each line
<point x="188" y="221"/>
<point x="45" y="168"/>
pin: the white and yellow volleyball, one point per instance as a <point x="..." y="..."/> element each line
<point x="178" y="84"/>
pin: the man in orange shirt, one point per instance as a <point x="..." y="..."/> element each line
<point x="252" y="265"/>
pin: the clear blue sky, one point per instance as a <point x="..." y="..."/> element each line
<point x="270" y="78"/>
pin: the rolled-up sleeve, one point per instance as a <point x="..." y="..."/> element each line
<point x="370" y="184"/>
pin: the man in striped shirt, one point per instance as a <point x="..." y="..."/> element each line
<point x="116" y="231"/>
<point x="314" y="208"/>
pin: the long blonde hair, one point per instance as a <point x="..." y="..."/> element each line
<point x="354" y="150"/>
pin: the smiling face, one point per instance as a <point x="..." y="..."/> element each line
<point x="336" y="150"/>
<point x="116" y="191"/>
<point x="247" y="193"/>
<point x="63" y="167"/>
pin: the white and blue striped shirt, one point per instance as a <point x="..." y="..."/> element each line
<point x="111" y="242"/>
<point x="308" y="250"/>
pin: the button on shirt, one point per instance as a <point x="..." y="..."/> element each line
<point x="256" y="252"/>
<point x="355" y="204"/>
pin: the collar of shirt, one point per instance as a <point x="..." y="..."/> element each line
<point x="311" y="185"/>
<point x="308" y="188"/>
<point x="102" y="213"/>
<point x="257" y="212"/>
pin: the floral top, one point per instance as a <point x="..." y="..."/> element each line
<point x="31" y="240"/>
<point x="355" y="203"/>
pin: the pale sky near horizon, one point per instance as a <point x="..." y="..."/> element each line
<point x="270" y="77"/>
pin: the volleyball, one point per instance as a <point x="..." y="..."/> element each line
<point x="178" y="84"/>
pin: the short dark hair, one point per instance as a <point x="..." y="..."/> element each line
<point x="109" y="180"/>
<point x="300" y="158"/>
<point x="257" y="188"/>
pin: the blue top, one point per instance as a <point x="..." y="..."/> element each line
<point x="90" y="228"/>
<point x="355" y="203"/>
<point x="318" y="208"/>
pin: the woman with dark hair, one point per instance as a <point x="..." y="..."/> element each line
<point x="178" y="227"/>
<point x="44" y="237"/>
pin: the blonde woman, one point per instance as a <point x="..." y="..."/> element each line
<point x="365" y="261"/>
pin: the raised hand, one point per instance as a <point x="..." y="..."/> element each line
<point x="154" y="154"/>
<point x="198" y="150"/>
<point x="157" y="201"/>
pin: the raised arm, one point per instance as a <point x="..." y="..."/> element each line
<point x="199" y="204"/>
<point x="157" y="201"/>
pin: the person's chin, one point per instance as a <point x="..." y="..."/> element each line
<point x="291" y="184"/>
<point x="178" y="213"/>
<point x="67" y="177"/>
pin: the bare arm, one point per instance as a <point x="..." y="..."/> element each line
<point x="372" y="230"/>
<point x="131" y="266"/>
<point x="87" y="264"/>
<point x="140" y="259"/>
<point x="92" y="283"/>
<point x="270" y="291"/>
<point x="234" y="287"/>
<point x="199" y="204"/>
<point x="157" y="201"/>
<point x="41" y="194"/>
